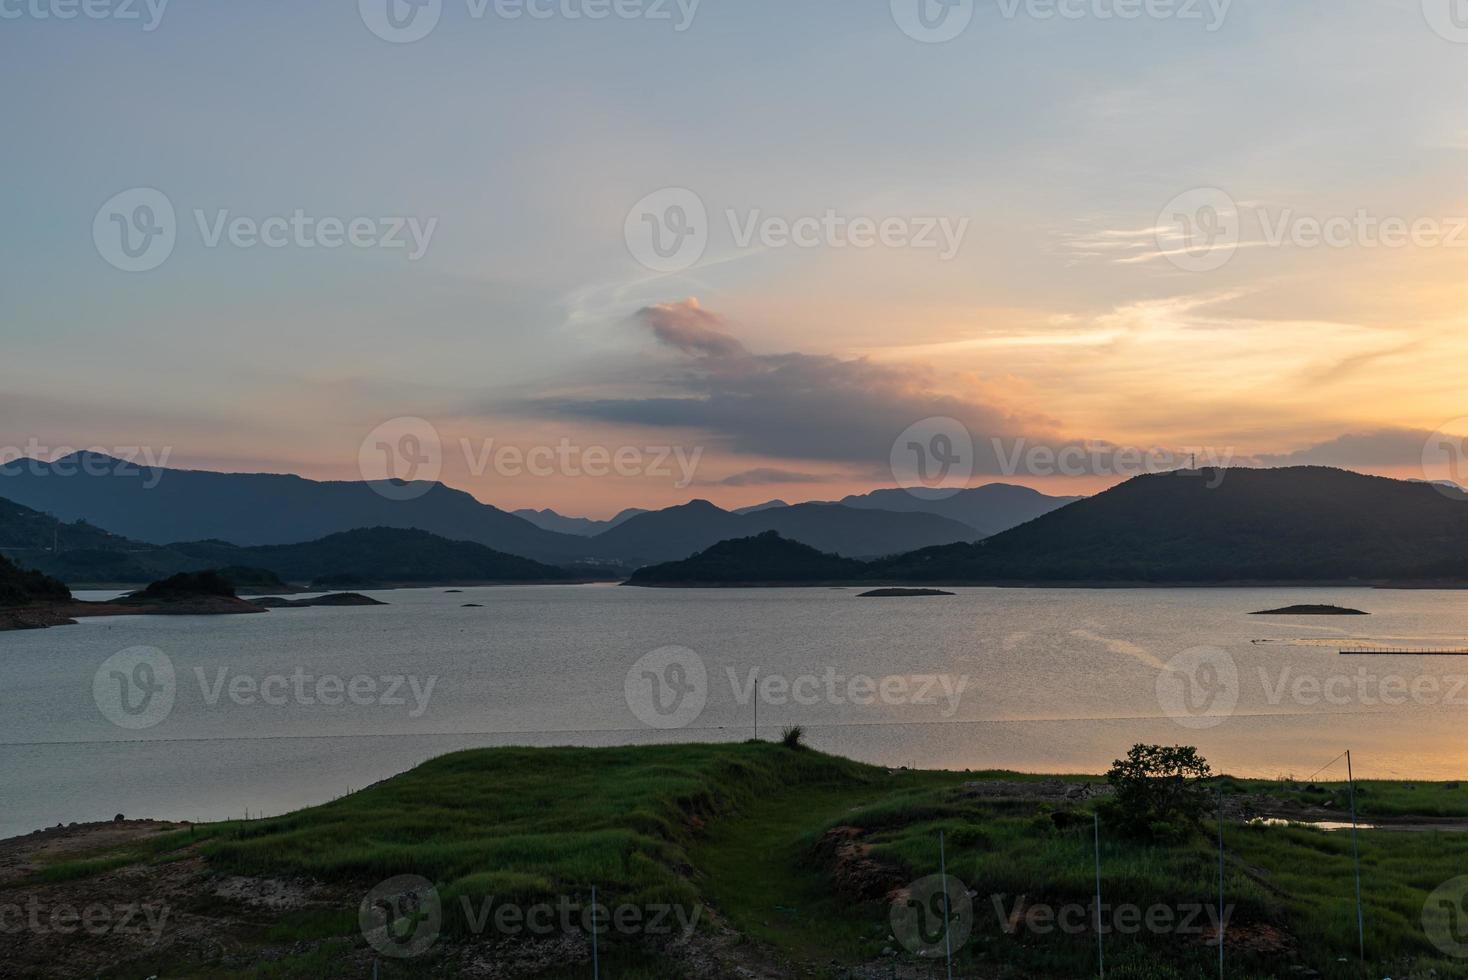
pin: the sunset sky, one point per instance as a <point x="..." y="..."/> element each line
<point x="1070" y="312"/>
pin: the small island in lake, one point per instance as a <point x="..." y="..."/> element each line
<point x="1311" y="610"/>
<point x="894" y="593"/>
<point x="335" y="599"/>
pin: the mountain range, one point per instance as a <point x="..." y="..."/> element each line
<point x="159" y="506"/>
<point x="79" y="553"/>
<point x="1294" y="524"/>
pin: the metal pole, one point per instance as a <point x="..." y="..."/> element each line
<point x="947" y="918"/>
<point x="1221" y="919"/>
<point x="1356" y="853"/>
<point x="1100" y="947"/>
<point x="595" y="958"/>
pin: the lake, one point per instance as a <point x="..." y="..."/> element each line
<point x="218" y="716"/>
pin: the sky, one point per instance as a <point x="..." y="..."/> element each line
<point x="593" y="254"/>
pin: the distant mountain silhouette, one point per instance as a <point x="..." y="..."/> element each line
<point x="1297" y="524"/>
<point x="21" y="587"/>
<point x="549" y="520"/>
<point x="89" y="555"/>
<point x="161" y="506"/>
<point x="678" y="532"/>
<point x="990" y="509"/>
<point x="766" y="558"/>
<point x="1306" y="523"/>
<point x="756" y="508"/>
<point x="261" y="508"/>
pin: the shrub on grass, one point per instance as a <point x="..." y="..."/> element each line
<point x="1161" y="790"/>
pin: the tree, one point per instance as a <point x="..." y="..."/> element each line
<point x="1160" y="789"/>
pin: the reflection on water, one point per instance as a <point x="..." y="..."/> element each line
<point x="295" y="707"/>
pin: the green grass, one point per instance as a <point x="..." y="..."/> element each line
<point x="531" y="825"/>
<point x="733" y="828"/>
<point x="1374" y="798"/>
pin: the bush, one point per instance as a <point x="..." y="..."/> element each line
<point x="1160" y="790"/>
<point x="792" y="737"/>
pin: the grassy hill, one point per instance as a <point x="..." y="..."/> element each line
<point x="786" y="862"/>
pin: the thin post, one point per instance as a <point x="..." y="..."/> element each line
<point x="1356" y="854"/>
<point x="595" y="958"/>
<point x="1221" y="920"/>
<point x="1100" y="946"/>
<point x="947" y="918"/>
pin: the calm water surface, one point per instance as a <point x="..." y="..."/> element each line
<point x="1053" y="680"/>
